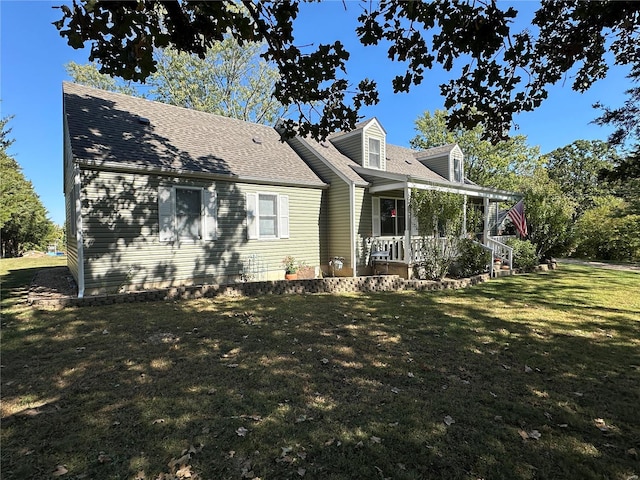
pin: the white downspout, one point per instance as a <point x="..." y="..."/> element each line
<point x="352" y="223"/>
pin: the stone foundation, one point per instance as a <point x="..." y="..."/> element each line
<point x="381" y="283"/>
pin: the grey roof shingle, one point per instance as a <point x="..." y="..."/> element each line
<point x="404" y="161"/>
<point x="106" y="127"/>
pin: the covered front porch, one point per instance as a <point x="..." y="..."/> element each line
<point x="396" y="245"/>
<point x="390" y="255"/>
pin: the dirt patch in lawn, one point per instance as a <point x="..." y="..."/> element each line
<point x="53" y="282"/>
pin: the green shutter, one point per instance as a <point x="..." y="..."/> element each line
<point x="375" y="216"/>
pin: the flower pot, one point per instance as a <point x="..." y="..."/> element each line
<point x="291" y="276"/>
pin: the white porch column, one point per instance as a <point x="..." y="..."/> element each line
<point x="407" y="224"/>
<point x="485" y="226"/>
<point x="464" y="216"/>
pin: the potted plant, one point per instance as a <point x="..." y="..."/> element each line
<point x="290" y="267"/>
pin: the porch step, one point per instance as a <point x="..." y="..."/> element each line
<point x="502" y="273"/>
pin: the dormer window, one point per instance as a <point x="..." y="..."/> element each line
<point x="457" y="170"/>
<point x="374" y="153"/>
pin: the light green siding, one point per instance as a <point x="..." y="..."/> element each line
<point x="373" y="130"/>
<point x="364" y="226"/>
<point x="122" y="250"/>
<point x="351" y="146"/>
<point x="440" y="165"/>
<point x="336" y="215"/>
<point x="339" y="226"/>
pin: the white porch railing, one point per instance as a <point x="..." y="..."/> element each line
<point x="392" y="249"/>
<point x="395" y="248"/>
<point x="500" y="251"/>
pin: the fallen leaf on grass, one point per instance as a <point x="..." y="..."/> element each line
<point x="633" y="452"/>
<point x="533" y="435"/>
<point x="395" y="390"/>
<point x="448" y="420"/>
<point x="59" y="471"/>
<point x="104" y="458"/>
<point x="242" y="432"/>
<point x="179" y="461"/>
<point x="601" y="425"/>
<point x="255" y="418"/>
<point x="158" y="420"/>
<point x="325" y="360"/>
<point x="375" y="439"/>
<point x="528" y="369"/>
<point x="302" y="471"/>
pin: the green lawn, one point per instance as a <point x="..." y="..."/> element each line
<point x="527" y="377"/>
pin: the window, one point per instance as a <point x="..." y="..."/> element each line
<point x="267" y="216"/>
<point x="457" y="170"/>
<point x="187" y="214"/>
<point x="374" y="153"/>
<point x="392" y="216"/>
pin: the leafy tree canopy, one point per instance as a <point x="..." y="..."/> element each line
<point x="493" y="165"/>
<point x="501" y="72"/>
<point x="89" y="75"/>
<point x="549" y="214"/>
<point x="231" y="80"/>
<point x="577" y="168"/>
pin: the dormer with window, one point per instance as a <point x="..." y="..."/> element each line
<point x="365" y="145"/>
<point x="447" y="161"/>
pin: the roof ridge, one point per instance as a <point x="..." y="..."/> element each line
<point x="163" y="104"/>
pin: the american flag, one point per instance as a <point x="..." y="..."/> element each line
<point x="516" y="214"/>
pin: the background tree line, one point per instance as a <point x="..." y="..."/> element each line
<point x="579" y="201"/>
<point x="23" y="218"/>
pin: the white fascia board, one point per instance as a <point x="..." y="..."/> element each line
<point x="370" y="122"/>
<point x="470" y="190"/>
<point x="330" y="165"/>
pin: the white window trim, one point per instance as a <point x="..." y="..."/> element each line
<point x="208" y="214"/>
<point x="379" y="166"/>
<point x="253" y="216"/>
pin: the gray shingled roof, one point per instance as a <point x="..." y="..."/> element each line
<point x="106" y="127"/>
<point x="403" y="161"/>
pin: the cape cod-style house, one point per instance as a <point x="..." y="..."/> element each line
<point x="158" y="195"/>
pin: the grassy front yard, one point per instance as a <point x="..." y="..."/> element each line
<point x="534" y="376"/>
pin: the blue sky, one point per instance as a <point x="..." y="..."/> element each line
<point x="32" y="71"/>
